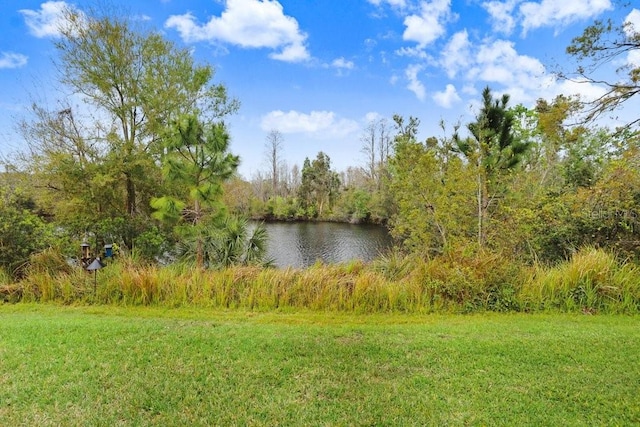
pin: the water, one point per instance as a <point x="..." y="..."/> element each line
<point x="301" y="244"/>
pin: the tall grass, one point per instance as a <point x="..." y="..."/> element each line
<point x="464" y="281"/>
<point x="592" y="281"/>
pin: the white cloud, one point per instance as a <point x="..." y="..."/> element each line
<point x="292" y="53"/>
<point x="342" y="63"/>
<point x="554" y="13"/>
<point x="319" y="124"/>
<point x="632" y="23"/>
<point x="372" y="116"/>
<point x="428" y="26"/>
<point x="503" y="20"/>
<point x="633" y="58"/>
<point x="249" y="24"/>
<point x="469" y="89"/>
<point x="12" y="60"/>
<point x="456" y="55"/>
<point x="415" y="85"/>
<point x="412" y="52"/>
<point x="448" y="97"/>
<point x="586" y="90"/>
<point x="393" y="3"/>
<point x="47" y="21"/>
<point x="632" y="29"/>
<point x="499" y="62"/>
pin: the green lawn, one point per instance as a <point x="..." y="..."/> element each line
<point x="148" y="366"/>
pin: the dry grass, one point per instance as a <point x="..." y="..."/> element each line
<point x="592" y="281"/>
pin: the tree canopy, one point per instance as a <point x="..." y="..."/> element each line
<point x="103" y="160"/>
<point x="605" y="43"/>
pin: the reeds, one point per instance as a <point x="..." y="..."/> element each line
<point x="460" y="281"/>
<point x="592" y="281"/>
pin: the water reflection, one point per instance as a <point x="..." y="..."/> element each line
<point x="301" y="244"/>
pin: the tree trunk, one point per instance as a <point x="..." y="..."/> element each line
<point x="199" y="245"/>
<point x="131" y="195"/>
<point x="480" y="213"/>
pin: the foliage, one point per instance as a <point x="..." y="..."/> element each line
<point x="585" y="158"/>
<point x="152" y="245"/>
<point x="606" y="214"/>
<point x="104" y="163"/>
<point x="226" y="241"/>
<point x="464" y="280"/>
<point x="319" y="187"/>
<point x="281" y="208"/>
<point x="354" y="205"/>
<point x="433" y="196"/>
<point x="494" y="151"/>
<point x="592" y="281"/>
<point x="237" y="195"/>
<point x="196" y="161"/>
<point x="22" y="231"/>
<point x="522" y="190"/>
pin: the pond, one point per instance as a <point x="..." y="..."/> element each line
<point x="301" y="244"/>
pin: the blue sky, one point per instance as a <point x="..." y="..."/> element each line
<point x="319" y="71"/>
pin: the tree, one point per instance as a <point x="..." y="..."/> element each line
<point x="369" y="141"/>
<point x="586" y="157"/>
<point x="493" y="150"/>
<point x="406" y="131"/>
<point x="376" y="146"/>
<point x="136" y="83"/>
<point x="70" y="166"/>
<point x="227" y="241"/>
<point x="433" y="194"/>
<point x="319" y="185"/>
<point x="274" y="157"/>
<point x="238" y="195"/>
<point x="197" y="160"/>
<point x="604" y="43"/>
<point x="555" y="135"/>
<point x="22" y="231"/>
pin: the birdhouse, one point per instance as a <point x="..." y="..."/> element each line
<point x="85" y="250"/>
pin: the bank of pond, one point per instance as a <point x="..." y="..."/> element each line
<point x="592" y="281"/>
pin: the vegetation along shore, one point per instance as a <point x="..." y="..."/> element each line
<point x="521" y="209"/>
<point x="134" y="289"/>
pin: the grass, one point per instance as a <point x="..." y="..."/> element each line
<point x="592" y="281"/>
<point x="106" y="365"/>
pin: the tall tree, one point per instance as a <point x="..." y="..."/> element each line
<point x="198" y="161"/>
<point x="369" y="149"/>
<point x="273" y="151"/>
<point x="407" y="131"/>
<point x="376" y="146"/>
<point x="140" y="80"/>
<point x="71" y="168"/>
<point x="433" y="193"/>
<point x="136" y="82"/>
<point x="493" y="150"/>
<point x="604" y="43"/>
<point x="319" y="186"/>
